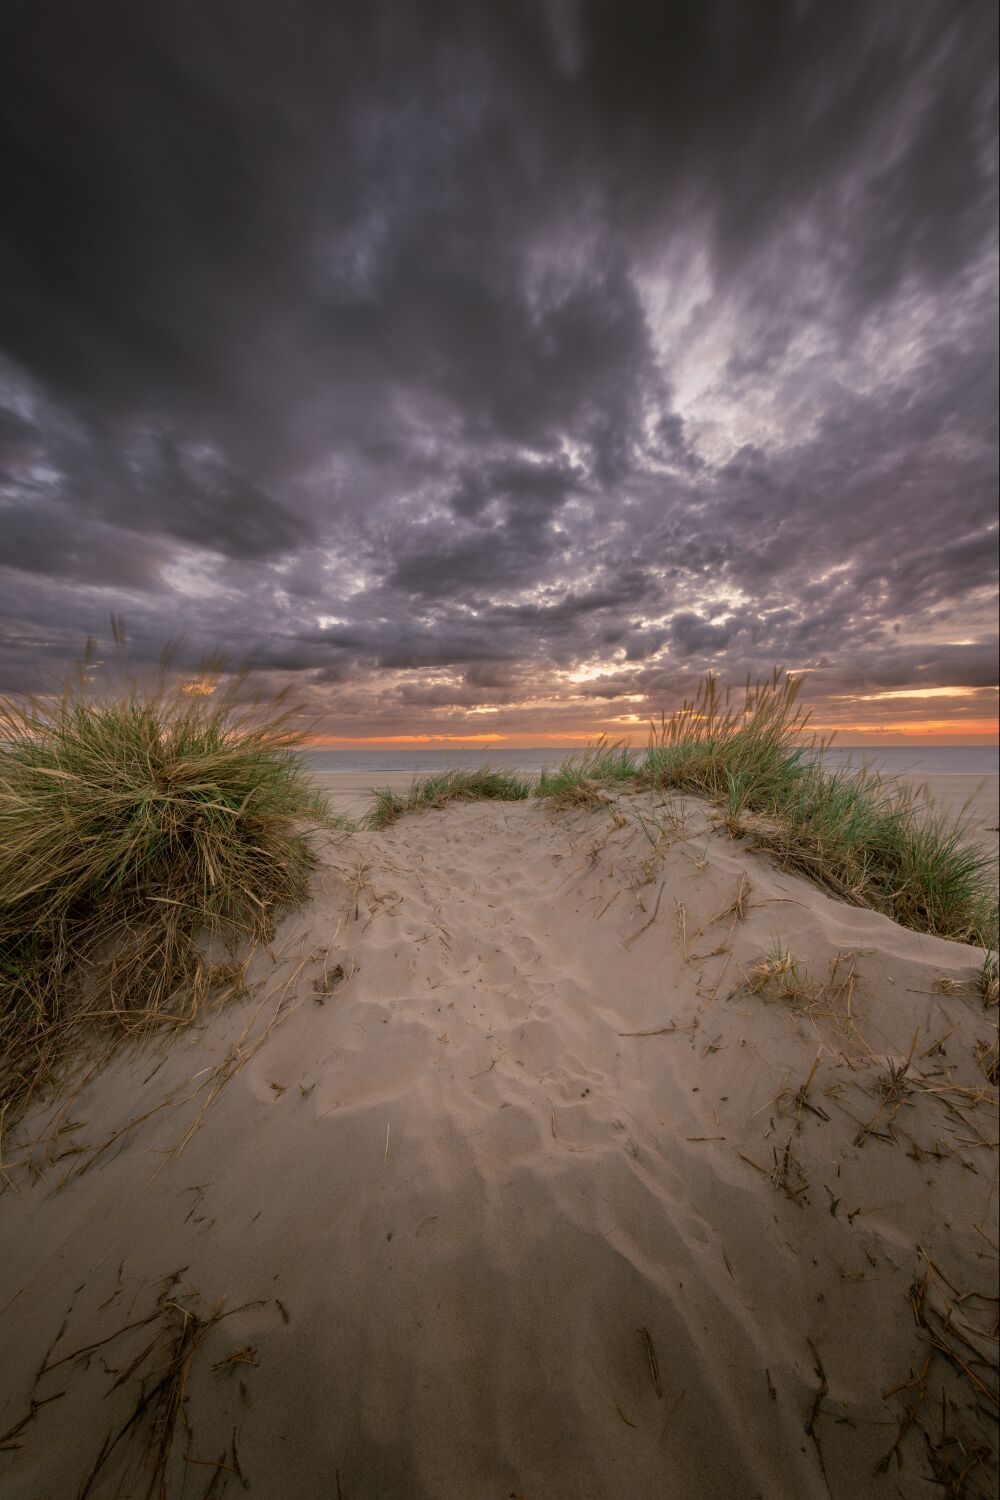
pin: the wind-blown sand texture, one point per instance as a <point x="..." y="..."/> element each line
<point x="516" y="1174"/>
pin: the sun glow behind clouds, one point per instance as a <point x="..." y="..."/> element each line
<point x="595" y="670"/>
<point x="949" y="731"/>
<point x="935" y="692"/>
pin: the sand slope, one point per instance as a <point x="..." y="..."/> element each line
<point x="507" y="1160"/>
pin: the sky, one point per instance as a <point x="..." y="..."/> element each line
<point x="495" y="370"/>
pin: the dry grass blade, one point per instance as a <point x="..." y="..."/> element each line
<point x="800" y="1098"/>
<point x="737" y="908"/>
<point x="894" y="1087"/>
<point x="944" y="1317"/>
<point x="161" y="1400"/>
<point x="634" y="936"/>
<point x="956" y="1454"/>
<point x="244" y="1355"/>
<point x="654" y="1367"/>
<point x="6" y="1438"/>
<point x="988" y="1058"/>
<point x="909" y="1416"/>
<point x="814" y="1411"/>
<point x="787" y="1174"/>
<point x="661" y="1030"/>
<point x="160" y="1403"/>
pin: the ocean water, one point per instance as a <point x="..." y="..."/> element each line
<point x="890" y="760"/>
<point x="933" y="760"/>
<point x="420" y="762"/>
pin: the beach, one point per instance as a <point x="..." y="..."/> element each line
<point x="545" y="1154"/>
<point x="499" y="764"/>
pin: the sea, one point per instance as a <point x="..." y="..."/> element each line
<point x="888" y="760"/>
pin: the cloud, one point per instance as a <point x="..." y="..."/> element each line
<point x="521" y="357"/>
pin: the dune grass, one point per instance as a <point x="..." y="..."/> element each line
<point x="133" y="826"/>
<point x="869" y="841"/>
<point x="442" y="787"/>
<point x="582" y="780"/>
<point x="989" y="980"/>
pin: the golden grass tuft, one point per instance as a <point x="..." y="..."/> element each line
<point x="864" y="839"/>
<point x="778" y="977"/>
<point x="134" y="826"/>
<point x="440" y="788"/>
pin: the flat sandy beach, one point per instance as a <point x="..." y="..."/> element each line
<point x="551" y="1155"/>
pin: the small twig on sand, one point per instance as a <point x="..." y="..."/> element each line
<point x="810" y="1427"/>
<point x="682" y="924"/>
<point x="622" y="1414"/>
<point x="661" y="1030"/>
<point x="904" y="1428"/>
<point x="654" y="1368"/>
<point x="633" y="936"/>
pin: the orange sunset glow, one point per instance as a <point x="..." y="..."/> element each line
<point x="925" y="731"/>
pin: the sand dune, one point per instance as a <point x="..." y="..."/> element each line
<point x="514" y="1175"/>
<point x="975" y="798"/>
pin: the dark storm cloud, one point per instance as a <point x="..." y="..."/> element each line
<point x="467" y="354"/>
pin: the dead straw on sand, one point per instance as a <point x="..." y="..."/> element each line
<point x="654" y="1366"/>
<point x="959" y="1449"/>
<point x="160" y="1404"/>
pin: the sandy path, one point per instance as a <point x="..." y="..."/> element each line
<point x="524" y="1190"/>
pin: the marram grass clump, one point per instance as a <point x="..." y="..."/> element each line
<point x="441" y="787"/>
<point x="582" y="780"/>
<point x="132" y="827"/>
<point x="867" y="840"/>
